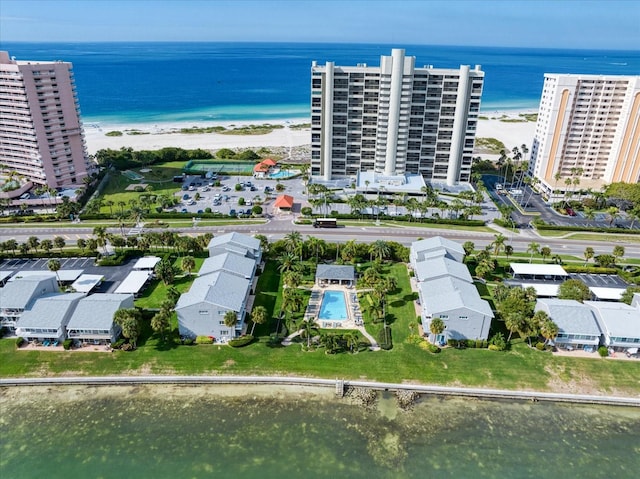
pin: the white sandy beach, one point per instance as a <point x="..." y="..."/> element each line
<point x="162" y="135"/>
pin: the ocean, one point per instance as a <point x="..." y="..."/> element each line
<point x="226" y="82"/>
<point x="210" y="431"/>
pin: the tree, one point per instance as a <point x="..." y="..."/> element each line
<point x="33" y="242"/>
<point x="288" y="262"/>
<point x="498" y="243"/>
<point x="130" y="322"/>
<point x="468" y="248"/>
<point x="508" y="250"/>
<point x="291" y="279"/>
<point x="165" y="271"/>
<point x="514" y="322"/>
<point x="588" y="254"/>
<point x="605" y="260"/>
<point x="307" y="330"/>
<point x="436" y="327"/>
<point x="349" y="250"/>
<point x="258" y="316"/>
<point x="230" y="319"/>
<point x="612" y="214"/>
<point x="293" y="243"/>
<point x="545" y="252"/>
<point x="54" y="265"/>
<point x="46" y="245"/>
<point x="379" y="249"/>
<point x="533" y="248"/>
<point x="59" y="242"/>
<point x="188" y="263"/>
<point x="618" y="252"/>
<point x="161" y="321"/>
<point x="627" y="296"/>
<point x="292" y="300"/>
<point x="549" y="330"/>
<point x="574" y="289"/>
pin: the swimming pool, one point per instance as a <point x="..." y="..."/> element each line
<point x="334" y="306"/>
<point x="283" y="174"/>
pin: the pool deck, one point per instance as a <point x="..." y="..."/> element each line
<point x="354" y="314"/>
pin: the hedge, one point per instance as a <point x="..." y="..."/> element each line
<point x="595" y="229"/>
<point x="241" y="341"/>
<point x="570" y="268"/>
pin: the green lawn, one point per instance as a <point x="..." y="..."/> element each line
<point x="519" y="368"/>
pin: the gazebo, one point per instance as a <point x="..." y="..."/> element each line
<point x="283" y="203"/>
<point x="262" y="169"/>
<point x="335" y="274"/>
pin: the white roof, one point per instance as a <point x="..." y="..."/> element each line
<point x="221" y="288"/>
<point x="4" y="275"/>
<point x="607" y="293"/>
<point x="86" y="282"/>
<point x="230" y="262"/>
<point x="133" y="283"/>
<point x="439" y="266"/>
<point x="49" y="312"/>
<point x="435" y="243"/>
<point x="571" y="316"/>
<point x="445" y="294"/>
<point x="64" y="275"/>
<point x="147" y="262"/>
<point x="538" y="269"/>
<point x="619" y="319"/>
<point x="542" y="289"/>
<point x="96" y="311"/>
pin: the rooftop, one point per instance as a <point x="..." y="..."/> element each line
<point x="438" y="266"/>
<point x="334" y="271"/>
<point x="133" y="283"/>
<point x="571" y="316"/>
<point x="221" y="288"/>
<point x="147" y="262"/>
<point x="97" y="311"/>
<point x="230" y="262"/>
<point x="538" y="269"/>
<point x="19" y="293"/>
<point x="445" y="294"/>
<point x="245" y="241"/>
<point x="49" y="311"/>
<point x="618" y="319"/>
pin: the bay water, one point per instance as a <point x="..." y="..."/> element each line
<point x="164" y="431"/>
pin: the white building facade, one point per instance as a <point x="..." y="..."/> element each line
<point x="41" y="136"/>
<point x="394" y="119"/>
<point x="588" y="131"/>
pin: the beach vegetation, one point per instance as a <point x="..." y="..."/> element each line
<point x="490" y="145"/>
<point x="113" y="133"/>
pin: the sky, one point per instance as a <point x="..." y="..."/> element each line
<point x="581" y="24"/>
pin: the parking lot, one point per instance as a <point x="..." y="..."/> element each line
<point x="113" y="275"/>
<point x="224" y="199"/>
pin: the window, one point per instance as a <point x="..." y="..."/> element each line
<point x="463" y="318"/>
<point x="203" y="312"/>
<point x="444" y="317"/>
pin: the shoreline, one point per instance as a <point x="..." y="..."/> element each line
<point x="338" y="384"/>
<point x="156" y="135"/>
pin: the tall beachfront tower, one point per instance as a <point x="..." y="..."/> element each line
<point x="394" y="119"/>
<point x="41" y="137"/>
<point x="588" y="131"/>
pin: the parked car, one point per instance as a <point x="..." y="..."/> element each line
<point x="185" y="196"/>
<point x="253" y="188"/>
<point x="249" y="203"/>
<point x="570" y="212"/>
<point x="192" y="188"/>
<point x="183" y="210"/>
<point x="226" y="188"/>
<point x="232" y="212"/>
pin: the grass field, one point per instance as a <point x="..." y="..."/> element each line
<point x="519" y="368"/>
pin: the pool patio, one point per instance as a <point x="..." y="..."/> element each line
<point x="354" y="314"/>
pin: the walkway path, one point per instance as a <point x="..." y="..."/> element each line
<point x="374" y="344"/>
<point x="484" y="393"/>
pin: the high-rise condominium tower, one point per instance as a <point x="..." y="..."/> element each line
<point x="394" y="119"/>
<point x="41" y="137"/>
<point x="588" y="132"/>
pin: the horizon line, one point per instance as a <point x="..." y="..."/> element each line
<point x="279" y="42"/>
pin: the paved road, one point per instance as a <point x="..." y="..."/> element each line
<point x="277" y="228"/>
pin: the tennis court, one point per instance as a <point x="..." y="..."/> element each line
<point x="196" y="167"/>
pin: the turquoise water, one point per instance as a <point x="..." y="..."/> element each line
<point x="242" y="432"/>
<point x="333" y="306"/>
<point x="282" y="174"/>
<point x="131" y="82"/>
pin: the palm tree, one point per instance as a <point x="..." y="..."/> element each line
<point x="618" y="251"/>
<point x="545" y="252"/>
<point x="468" y="247"/>
<point x="258" y="316"/>
<point x="54" y="265"/>
<point x="612" y="213"/>
<point x="307" y="330"/>
<point x="59" y="242"/>
<point x="292" y="300"/>
<point x="46" y="245"/>
<point x="230" y="319"/>
<point x="380" y="249"/>
<point x="588" y="254"/>
<point x="498" y="243"/>
<point x="352" y="340"/>
<point x="109" y="204"/>
<point x="508" y="250"/>
<point x="161" y="321"/>
<point x="33" y="242"/>
<point x="288" y="262"/>
<point x="349" y="250"/>
<point x="129" y="321"/>
<point x="316" y="245"/>
<point x="188" y="263"/>
<point x="436" y="327"/>
<point x="293" y="243"/>
<point x="533" y="248"/>
<point x="165" y="271"/>
<point x="514" y="321"/>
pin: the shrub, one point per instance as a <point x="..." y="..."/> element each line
<point x="19" y="341"/>
<point x="497" y="342"/>
<point x="127" y="347"/>
<point x="470" y="343"/>
<point x="540" y="346"/>
<point x="67" y="343"/>
<point x="478" y="344"/>
<point x="118" y="344"/>
<point x="188" y="341"/>
<point x="603" y="351"/>
<point x="241" y="341"/>
<point x="452" y="342"/>
<point x="384" y="338"/>
<point x="204" y="340"/>
<point x="241" y="201"/>
<point x="433" y="348"/>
